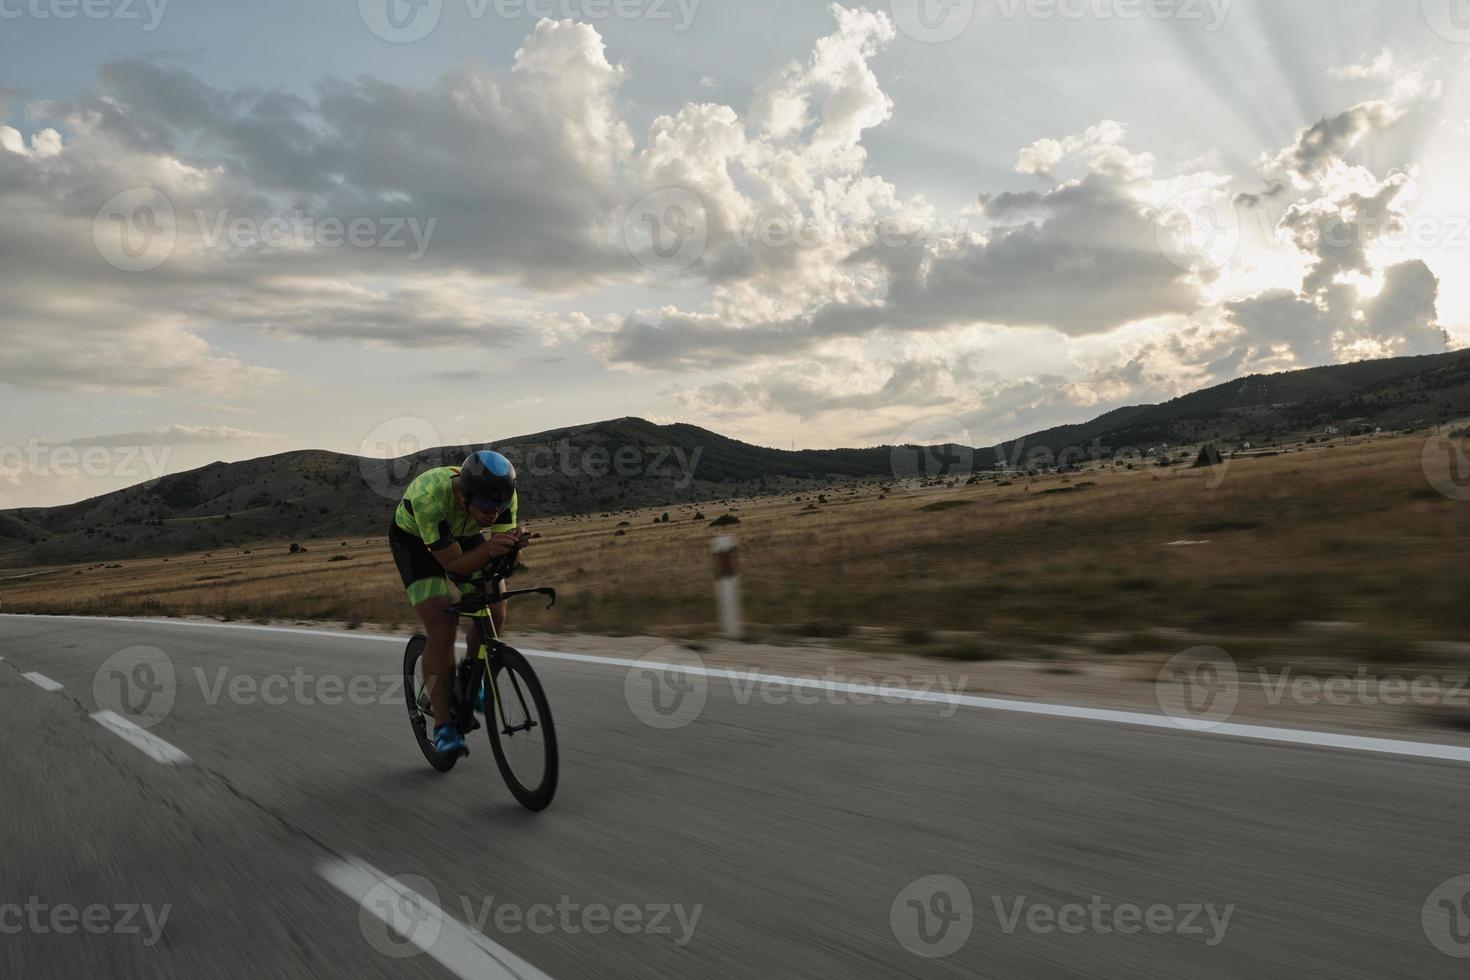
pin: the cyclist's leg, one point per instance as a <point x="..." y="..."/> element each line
<point x="438" y="658"/>
<point x="429" y="593"/>
<point x="471" y="639"/>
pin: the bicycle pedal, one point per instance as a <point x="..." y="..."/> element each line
<point x="474" y="726"/>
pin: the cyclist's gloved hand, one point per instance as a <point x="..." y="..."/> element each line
<point x="510" y="541"/>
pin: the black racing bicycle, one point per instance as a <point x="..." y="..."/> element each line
<point x="522" y="735"/>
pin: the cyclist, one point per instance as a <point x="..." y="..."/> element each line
<point x="437" y="531"/>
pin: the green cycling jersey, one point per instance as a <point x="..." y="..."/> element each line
<point x="429" y="512"/>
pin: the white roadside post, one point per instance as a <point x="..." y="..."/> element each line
<point x="727" y="586"/>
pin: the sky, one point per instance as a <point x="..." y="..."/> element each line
<point x="367" y="226"/>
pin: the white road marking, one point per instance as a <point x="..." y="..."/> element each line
<point x="1262" y="733"/>
<point x="458" y="948"/>
<point x="149" y="744"/>
<point x="43" y="682"/>
<point x="1294" y="736"/>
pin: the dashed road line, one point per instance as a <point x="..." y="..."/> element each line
<point x="43" y="682"/>
<point x="146" y="742"/>
<point x="420" y="922"/>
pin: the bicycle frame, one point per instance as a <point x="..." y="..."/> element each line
<point x="489" y="592"/>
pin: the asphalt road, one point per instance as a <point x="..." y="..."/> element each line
<point x="764" y="838"/>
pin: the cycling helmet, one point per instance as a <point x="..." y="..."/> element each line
<point x="488" y="481"/>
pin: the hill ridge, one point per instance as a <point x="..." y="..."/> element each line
<point x="630" y="462"/>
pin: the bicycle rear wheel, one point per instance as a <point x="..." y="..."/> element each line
<point x="420" y="712"/>
<point x="522" y="735"/>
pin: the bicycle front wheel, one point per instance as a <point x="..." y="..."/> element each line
<point x="420" y="711"/>
<point x="522" y="735"/>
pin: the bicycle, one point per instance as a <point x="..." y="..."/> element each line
<point x="523" y="740"/>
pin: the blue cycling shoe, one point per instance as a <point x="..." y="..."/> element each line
<point x="448" y="740"/>
<point x="480" y="700"/>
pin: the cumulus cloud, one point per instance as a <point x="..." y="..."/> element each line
<point x="819" y="284"/>
<point x="1341" y="213"/>
<point x="1081" y="257"/>
<point x="1321" y="151"/>
<point x="516" y="178"/>
<point x="1324" y="144"/>
<point x="1339" y="227"/>
<point x="1341" y="324"/>
<point x="1347" y="306"/>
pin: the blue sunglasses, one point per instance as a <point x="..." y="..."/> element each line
<point x="486" y="506"/>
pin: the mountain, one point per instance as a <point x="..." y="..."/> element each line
<point x="1396" y="393"/>
<point x="603" y="467"/>
<point x="629" y="463"/>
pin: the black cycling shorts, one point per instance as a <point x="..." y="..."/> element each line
<point x="423" y="576"/>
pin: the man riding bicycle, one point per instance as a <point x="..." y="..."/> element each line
<point x="437" y="532"/>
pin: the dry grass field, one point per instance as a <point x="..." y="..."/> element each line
<point x="1348" y="547"/>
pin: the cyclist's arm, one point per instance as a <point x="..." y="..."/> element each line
<point x="457" y="561"/>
